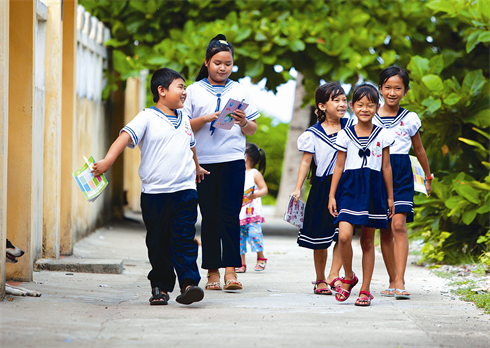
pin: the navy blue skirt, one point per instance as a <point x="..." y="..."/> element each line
<point x="361" y="198"/>
<point x="319" y="230"/>
<point x="403" y="188"/>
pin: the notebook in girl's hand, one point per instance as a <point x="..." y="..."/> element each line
<point x="225" y="120"/>
<point x="295" y="212"/>
<point x="246" y="196"/>
<point x="418" y="175"/>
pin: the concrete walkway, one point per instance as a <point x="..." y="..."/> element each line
<point x="277" y="307"/>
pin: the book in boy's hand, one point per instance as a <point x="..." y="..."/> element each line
<point x="246" y="196"/>
<point x="295" y="212"/>
<point x="225" y="119"/>
<point x="91" y="186"/>
<point x="418" y="175"/>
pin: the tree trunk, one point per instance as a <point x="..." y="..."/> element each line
<point x="292" y="157"/>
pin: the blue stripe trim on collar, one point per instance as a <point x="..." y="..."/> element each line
<point x="351" y="133"/>
<point x="399" y="116"/>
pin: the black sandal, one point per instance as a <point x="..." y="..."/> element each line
<point x="158" y="297"/>
<point x="190" y="295"/>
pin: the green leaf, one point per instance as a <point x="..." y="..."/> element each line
<point x="469" y="193"/>
<point x="472" y="143"/>
<point x="433" y="82"/>
<point x="452" y="202"/>
<point x="297" y="45"/>
<point x="432" y="104"/>
<point x="472" y="41"/>
<point x="473" y="82"/>
<point x="485" y="134"/>
<point x="436" y="64"/>
<point x="469" y="216"/>
<point x="418" y="66"/>
<point x="452" y="99"/>
<point x="484" y="37"/>
<point x="254" y="69"/>
<point x="113" y="42"/>
<point x="483" y="209"/>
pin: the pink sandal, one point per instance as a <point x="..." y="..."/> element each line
<point x="324" y="291"/>
<point x="364" y="301"/>
<point x="346" y="293"/>
<point x="242" y="269"/>
<point x="260" y="266"/>
<point x="333" y="286"/>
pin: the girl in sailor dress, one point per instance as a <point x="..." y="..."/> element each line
<point x="361" y="192"/>
<point x="404" y="127"/>
<point x="318" y="144"/>
<point x="222" y="153"/>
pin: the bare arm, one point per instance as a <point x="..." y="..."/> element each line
<point x="259" y="180"/>
<point x="337" y="174"/>
<point x="388" y="179"/>
<point x="419" y="150"/>
<point x="115" y="150"/>
<point x="302" y="172"/>
<point x="198" y="122"/>
<point x="200" y="171"/>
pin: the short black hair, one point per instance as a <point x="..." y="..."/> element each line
<point x="216" y="45"/>
<point x="324" y="93"/>
<point x="365" y="90"/>
<point x="163" y="77"/>
<point x="393" y="71"/>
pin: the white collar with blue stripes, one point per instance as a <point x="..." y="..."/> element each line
<point x="162" y="115"/>
<point x="318" y="130"/>
<point x="351" y="133"/>
<point x="392" y="123"/>
<point x="204" y="83"/>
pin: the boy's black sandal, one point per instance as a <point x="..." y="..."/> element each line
<point x="158" y="297"/>
<point x="190" y="295"/>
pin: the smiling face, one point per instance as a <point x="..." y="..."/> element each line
<point x="219" y="67"/>
<point x="393" y="90"/>
<point x="364" y="109"/>
<point x="175" y="94"/>
<point x="336" y="107"/>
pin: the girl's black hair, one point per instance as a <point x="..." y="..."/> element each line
<point x="163" y="77"/>
<point x="393" y="71"/>
<point x="256" y="155"/>
<point x="323" y="94"/>
<point x="365" y="90"/>
<point x="216" y="45"/>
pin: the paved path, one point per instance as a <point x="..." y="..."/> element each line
<point x="277" y="307"/>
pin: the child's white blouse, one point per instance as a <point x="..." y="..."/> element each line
<point x="222" y="145"/>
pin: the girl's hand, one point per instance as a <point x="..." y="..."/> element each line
<point x="332" y="207"/>
<point x="200" y="171"/>
<point x="240" y="117"/>
<point x="428" y="186"/>
<point x="296" y="194"/>
<point x="252" y="196"/>
<point x="211" y="117"/>
<point x="100" y="167"/>
<point x="391" y="208"/>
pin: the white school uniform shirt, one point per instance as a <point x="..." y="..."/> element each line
<point x="222" y="145"/>
<point x="358" y="156"/>
<point x="167" y="163"/>
<point x="324" y="149"/>
<point x="402" y="128"/>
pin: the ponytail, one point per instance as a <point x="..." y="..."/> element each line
<point x="216" y="45"/>
<point x="256" y="155"/>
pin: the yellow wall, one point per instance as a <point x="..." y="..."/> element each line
<point x="4" y="75"/>
<point x="20" y="146"/>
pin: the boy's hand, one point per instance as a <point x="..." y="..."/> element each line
<point x="332" y="207"/>
<point x="240" y="117"/>
<point x="391" y="208"/>
<point x="211" y="117"/>
<point x="200" y="171"/>
<point x="100" y="167"/>
<point x="296" y="194"/>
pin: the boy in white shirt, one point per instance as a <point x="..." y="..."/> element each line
<point x="168" y="171"/>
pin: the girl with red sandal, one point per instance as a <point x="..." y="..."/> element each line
<point x="362" y="189"/>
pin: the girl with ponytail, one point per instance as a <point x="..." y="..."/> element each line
<point x="222" y="153"/>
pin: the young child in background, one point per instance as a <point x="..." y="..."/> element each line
<point x="320" y="153"/>
<point x="251" y="217"/>
<point x="169" y="199"/>
<point x="404" y="127"/>
<point x="361" y="191"/>
<point x="222" y="153"/>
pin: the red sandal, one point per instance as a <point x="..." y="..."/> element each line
<point x="364" y="301"/>
<point x="333" y="286"/>
<point x="324" y="291"/>
<point x="346" y="293"/>
<point x="260" y="266"/>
